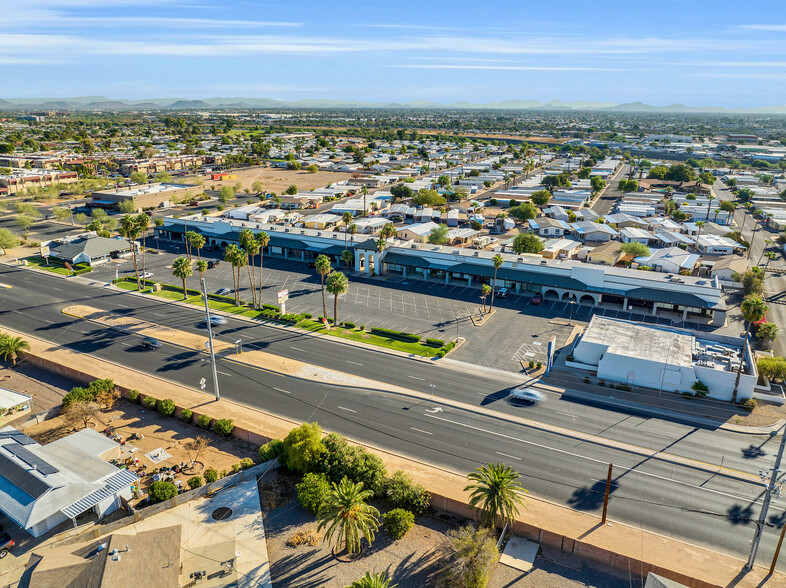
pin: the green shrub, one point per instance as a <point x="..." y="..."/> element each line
<point x="361" y="327"/>
<point x="347" y="325"/>
<point x="625" y="387"/>
<point x="700" y="388"/>
<point x="246" y="463"/>
<point x="166" y="407"/>
<point x="88" y="394"/>
<point x="150" y="402"/>
<point x="539" y="365"/>
<point x="397" y="522"/>
<point x="307" y="316"/>
<point x="435" y="342"/>
<point x="312" y="491"/>
<point x="204" y="421"/>
<point x="186" y="415"/>
<point x="271" y="450"/>
<point x="235" y="468"/>
<point x="402" y="492"/>
<point x="356" y="463"/>
<point x="749" y="403"/>
<point x="133" y="396"/>
<point x="531" y="363"/>
<point x="303" y="448"/>
<point x="602" y="383"/>
<point x="74" y="395"/>
<point x="401" y="336"/>
<point x="194" y="482"/>
<point x="493" y="202"/>
<point x="223" y="427"/>
<point x="441" y="353"/>
<point x="161" y="491"/>
<point x="211" y="475"/>
<point x="688" y="394"/>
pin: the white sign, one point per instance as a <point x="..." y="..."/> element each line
<point x="283" y="296"/>
<point x="44" y="250"/>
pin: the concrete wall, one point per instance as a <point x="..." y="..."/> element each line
<point x="643" y="372"/>
<point x="721" y="383"/>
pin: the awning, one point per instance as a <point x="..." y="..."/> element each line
<point x="118" y="481"/>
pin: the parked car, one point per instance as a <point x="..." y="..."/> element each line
<point x="536" y="299"/>
<point x="502" y="293"/>
<point x="6" y="543"/>
<point x="223" y="291"/>
<point x="527" y="395"/>
<point x="213" y="263"/>
<point x="151" y="343"/>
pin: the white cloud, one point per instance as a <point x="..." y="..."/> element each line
<point x="741" y="75"/>
<point x="765" y="27"/>
<point x="503" y="67"/>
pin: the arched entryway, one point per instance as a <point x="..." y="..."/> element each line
<point x="587" y="299"/>
<point x="551" y="294"/>
<point x="569" y="296"/>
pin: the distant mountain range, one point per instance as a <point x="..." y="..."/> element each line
<point x="104" y="104"/>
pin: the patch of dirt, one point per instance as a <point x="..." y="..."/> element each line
<point x="274" y="179"/>
<point x="765" y="413"/>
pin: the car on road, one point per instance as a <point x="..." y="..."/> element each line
<point x="213" y="263"/>
<point x="215" y="320"/>
<point x="502" y="293"/>
<point x="6" y="543"/>
<point x="223" y="291"/>
<point x="537" y="299"/>
<point x="151" y="343"/>
<point x="527" y="395"/>
<point x="146" y="275"/>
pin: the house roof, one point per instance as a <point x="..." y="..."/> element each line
<point x="734" y="263"/>
<point x="610" y="248"/>
<point x="669" y="297"/>
<point x="93" y="246"/>
<point x="9" y="398"/>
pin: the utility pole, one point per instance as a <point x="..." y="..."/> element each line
<point x="606" y="495"/>
<point x="210" y="340"/>
<point x="772" y="488"/>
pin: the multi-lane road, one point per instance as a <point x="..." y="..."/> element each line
<point x="693" y="501"/>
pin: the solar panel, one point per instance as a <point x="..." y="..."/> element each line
<point x="31" y="459"/>
<point x="17" y="436"/>
<point x="21" y="478"/>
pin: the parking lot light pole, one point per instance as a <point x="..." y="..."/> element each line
<point x="570" y="320"/>
<point x="210" y="340"/>
<point x="458" y="318"/>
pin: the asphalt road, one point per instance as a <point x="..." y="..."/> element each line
<point x="672" y="499"/>
<point x="612" y="193"/>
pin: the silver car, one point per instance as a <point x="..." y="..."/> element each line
<point x="527" y="394"/>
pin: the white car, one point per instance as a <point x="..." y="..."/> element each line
<point x="527" y="395"/>
<point x="146" y="275"/>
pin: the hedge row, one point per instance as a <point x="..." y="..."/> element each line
<point x="400" y="335"/>
<point x="167" y="407"/>
<point x="89" y="394"/>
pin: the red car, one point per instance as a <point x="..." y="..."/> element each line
<point x="536" y="299"/>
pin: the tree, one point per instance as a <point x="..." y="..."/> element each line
<point x="8" y="240"/>
<point x="312" y="169"/>
<point x="225" y="194"/>
<point x="401" y="191"/>
<point x="163" y="177"/>
<point x="597" y="183"/>
<point x="138" y="177"/>
<point x="772" y="368"/>
<point x="485" y="290"/>
<point x="347" y="516"/>
<point x="256" y="186"/>
<point x="250" y="246"/>
<point x="237" y="257"/>
<point x="161" y="491"/>
<point x="426" y="197"/>
<point x="83" y="412"/>
<point x="524" y="211"/>
<point x="195" y="447"/>
<point x="24" y="222"/>
<point x="337" y="284"/>
<point x="196" y="241"/>
<point x="143" y="222"/>
<point x="127" y="206"/>
<point x="201" y="267"/>
<point x="181" y="268"/>
<point x="61" y="213"/>
<point x="754" y="309"/>
<point x="752" y="281"/>
<point x="129" y="229"/>
<point x="347" y="219"/>
<point x="635" y="249"/>
<point x="767" y="333"/>
<point x="540" y="198"/>
<point x="379" y="580"/>
<point x="323" y="268"/>
<point x="347" y="257"/>
<point x="303" y="448"/>
<point x="527" y="243"/>
<point x="496" y="493"/>
<point x="497" y="261"/>
<point x="438" y="235"/>
<point x="262" y="240"/>
<point x="468" y="554"/>
<point x="291" y="190"/>
<point x="658" y="172"/>
<point x="11" y="347"/>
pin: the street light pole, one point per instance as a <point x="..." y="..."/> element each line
<point x="570" y="320"/>
<point x="771" y="489"/>
<point x="458" y="318"/>
<point x="210" y="339"/>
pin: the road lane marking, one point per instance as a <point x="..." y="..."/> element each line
<point x="355" y="362"/>
<point x="159" y="314"/>
<point x="297" y="349"/>
<point x="347" y="409"/>
<point x="282" y="390"/>
<point x="58" y="289"/>
<point x="421" y="431"/>
<point x="123" y="305"/>
<point x="226" y="374"/>
<point x="416" y="378"/>
<point x="507" y="455"/>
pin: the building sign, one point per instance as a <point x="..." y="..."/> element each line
<point x="283" y="296"/>
<point x="44" y="250"/>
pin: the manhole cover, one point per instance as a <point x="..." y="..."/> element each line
<point x="221" y="514"/>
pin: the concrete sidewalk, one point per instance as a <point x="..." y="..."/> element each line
<point x="615" y="545"/>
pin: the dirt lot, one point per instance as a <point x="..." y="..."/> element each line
<point x="411" y="562"/>
<point x="46" y="388"/>
<point x="159" y="432"/>
<point x="765" y="413"/>
<point x="277" y="180"/>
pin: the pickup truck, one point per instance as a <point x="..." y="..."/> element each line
<point x="6" y="543"/>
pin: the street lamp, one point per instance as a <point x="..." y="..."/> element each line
<point x="458" y="318"/>
<point x="210" y="339"/>
<point x="432" y="387"/>
<point x="773" y="488"/>
<point x="570" y="320"/>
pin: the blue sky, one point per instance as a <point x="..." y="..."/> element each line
<point x="698" y="53"/>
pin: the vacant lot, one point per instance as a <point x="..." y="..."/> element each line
<point x="277" y="180"/>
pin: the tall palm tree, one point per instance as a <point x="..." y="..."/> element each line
<point x="346" y="218"/>
<point x="497" y="261"/>
<point x="197" y="241"/>
<point x="347" y="516"/>
<point x="322" y="265"/>
<point x="379" y="580"/>
<point x="129" y="228"/>
<point x="337" y="284"/>
<point x="143" y="221"/>
<point x="347" y="256"/>
<point x="249" y="245"/>
<point x="10" y="347"/>
<point x="353" y="229"/>
<point x="710" y="198"/>
<point x="181" y="268"/>
<point x="262" y="240"/>
<point x="754" y="309"/>
<point x="201" y="267"/>
<point x="485" y="290"/>
<point x="699" y="224"/>
<point x="767" y="243"/>
<point x="496" y="493"/>
<point x="364" y="191"/>
<point x="234" y="255"/>
<point x="770" y="255"/>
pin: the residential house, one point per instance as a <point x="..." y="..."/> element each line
<point x="728" y="266"/>
<point x="560" y="248"/>
<point x="548" y="227"/>
<point x="321" y="221"/>
<point x="594" y="232"/>
<point x="633" y="234"/>
<point x="717" y="245"/>
<point x="418" y="232"/>
<point x="461" y="236"/>
<point x="670" y="260"/>
<point x="622" y="221"/>
<point x="609" y="253"/>
<point x="557" y="213"/>
<point x="673" y="239"/>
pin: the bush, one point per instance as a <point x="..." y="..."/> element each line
<point x="397" y="522"/>
<point x="303" y="448"/>
<point x="749" y="403"/>
<point x="186" y="415"/>
<point x="166" y="407"/>
<point x="246" y="463"/>
<point x="625" y="387"/>
<point x="402" y="492"/>
<point x="441" y="353"/>
<point x="586" y="380"/>
<point x="493" y="202"/>
<point x="435" y="342"/>
<point x="531" y="363"/>
<point x="700" y="388"/>
<point x="211" y="475"/>
<point x="356" y="463"/>
<point x="204" y="421"/>
<point x="271" y="450"/>
<point x="539" y="365"/>
<point x="409" y="337"/>
<point x="133" y="396"/>
<point x="161" y="491"/>
<point x="223" y="427"/>
<point x="312" y="491"/>
<point x="347" y="325"/>
<point x="88" y="394"/>
<point x="150" y="402"/>
<point x="235" y="468"/>
<point x="194" y="482"/>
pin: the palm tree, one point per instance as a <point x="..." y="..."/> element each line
<point x="337" y="284"/>
<point x="201" y="266"/>
<point x="485" y="290"/>
<point x="10" y="347"/>
<point x="346" y="218"/>
<point x="496" y="493"/>
<point x="754" y="309"/>
<point x="710" y="198"/>
<point x="262" y="240"/>
<point x="497" y="261"/>
<point x="250" y="247"/>
<point x="379" y="580"/>
<point x="364" y="191"/>
<point x="234" y="255"/>
<point x="143" y="221"/>
<point x="767" y="333"/>
<point x="322" y="265"/>
<point x="129" y="228"/>
<point x="181" y="268"/>
<point x="347" y="256"/>
<point x="770" y="255"/>
<point x="197" y="241"/>
<point x="353" y="229"/>
<point x="767" y="243"/>
<point x="699" y="224"/>
<point x="347" y="516"/>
